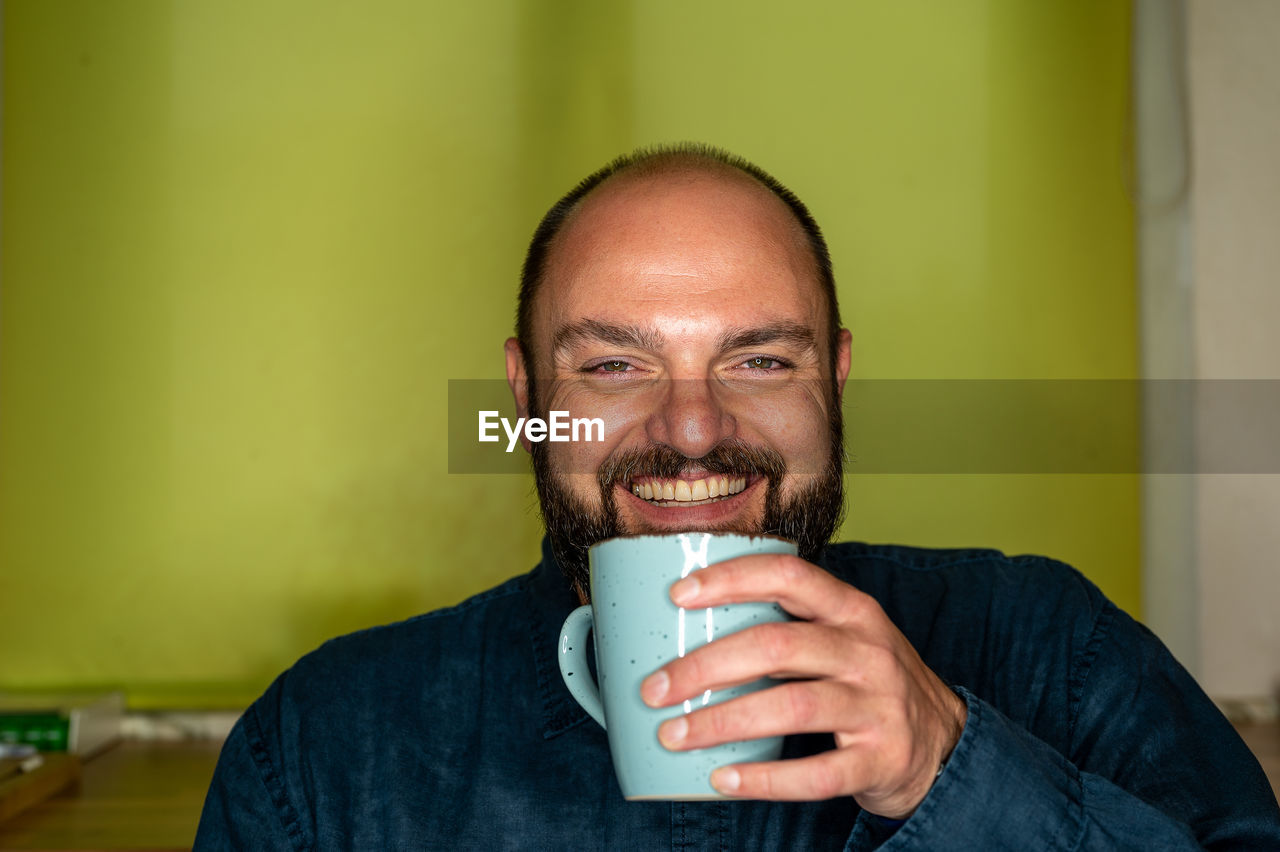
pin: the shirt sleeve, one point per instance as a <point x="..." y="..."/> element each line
<point x="246" y="808"/>
<point x="1152" y="764"/>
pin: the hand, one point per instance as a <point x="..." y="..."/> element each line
<point x="855" y="675"/>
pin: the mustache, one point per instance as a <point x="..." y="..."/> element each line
<point x="732" y="456"/>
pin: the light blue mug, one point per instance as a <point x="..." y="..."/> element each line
<point x="638" y="629"/>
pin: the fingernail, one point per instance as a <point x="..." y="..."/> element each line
<point x="726" y="779"/>
<point x="655" y="687"/>
<point x="685" y="591"/>
<point x="673" y="732"/>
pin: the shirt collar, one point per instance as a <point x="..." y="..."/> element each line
<point x="550" y="602"/>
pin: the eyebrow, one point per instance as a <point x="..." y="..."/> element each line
<point x="792" y="333"/>
<point x="589" y="330"/>
<point x="639" y="337"/>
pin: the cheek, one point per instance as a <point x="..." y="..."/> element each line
<point x="583" y="487"/>
<point x="795" y="424"/>
<point x="623" y="417"/>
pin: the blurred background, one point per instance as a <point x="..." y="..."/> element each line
<point x="247" y="244"/>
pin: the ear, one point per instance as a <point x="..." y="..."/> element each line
<point x="518" y="381"/>
<point x="844" y="345"/>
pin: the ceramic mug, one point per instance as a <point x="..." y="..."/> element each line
<point x="637" y="629"/>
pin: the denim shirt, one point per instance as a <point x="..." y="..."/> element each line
<point x="454" y="730"/>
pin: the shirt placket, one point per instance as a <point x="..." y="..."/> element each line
<point x="701" y="826"/>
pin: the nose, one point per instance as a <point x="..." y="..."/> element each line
<point x="692" y="419"/>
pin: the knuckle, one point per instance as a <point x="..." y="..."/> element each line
<point x="791" y="570"/>
<point x="887" y="666"/>
<point x="776" y="641"/>
<point x="760" y="782"/>
<point x="879" y="662"/>
<point x="871" y="607"/>
<point x="717" y="724"/>
<point x="687" y="672"/>
<point x="860" y="608"/>
<point x="680" y="672"/>
<point x="803" y="704"/>
<point x="728" y="573"/>
<point x="825" y="782"/>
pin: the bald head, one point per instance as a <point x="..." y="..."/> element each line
<point x="656" y="195"/>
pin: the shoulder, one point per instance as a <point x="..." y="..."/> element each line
<point x="369" y="716"/>
<point x="991" y="603"/>
<point x="960" y="572"/>
<point x="390" y="671"/>
<point x="856" y="555"/>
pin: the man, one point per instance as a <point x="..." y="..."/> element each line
<point x="935" y="699"/>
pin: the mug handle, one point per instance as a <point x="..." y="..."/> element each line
<point x="573" y="662"/>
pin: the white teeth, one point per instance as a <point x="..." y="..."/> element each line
<point x="698" y="491"/>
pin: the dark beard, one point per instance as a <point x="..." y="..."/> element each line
<point x="809" y="517"/>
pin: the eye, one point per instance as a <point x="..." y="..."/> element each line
<point x="614" y="366"/>
<point x="761" y="362"/>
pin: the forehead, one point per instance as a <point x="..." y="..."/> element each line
<point x="683" y="247"/>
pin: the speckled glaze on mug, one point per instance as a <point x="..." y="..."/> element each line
<point x="638" y="629"/>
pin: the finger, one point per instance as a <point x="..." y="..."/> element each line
<point x="802" y="589"/>
<point x="787" y="649"/>
<point x="798" y="707"/>
<point x="805" y="779"/>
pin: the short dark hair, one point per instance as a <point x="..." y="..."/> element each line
<point x="655" y="160"/>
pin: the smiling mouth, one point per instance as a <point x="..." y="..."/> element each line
<point x="685" y="493"/>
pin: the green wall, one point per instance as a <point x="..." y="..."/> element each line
<point x="246" y="244"/>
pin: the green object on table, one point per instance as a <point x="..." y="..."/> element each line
<point x="77" y="722"/>
<point x="45" y="731"/>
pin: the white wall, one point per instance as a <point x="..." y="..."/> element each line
<point x="1233" y="50"/>
<point x="1162" y="138"/>
<point x="1207" y="122"/>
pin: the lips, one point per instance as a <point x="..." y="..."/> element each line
<point x="664" y="492"/>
